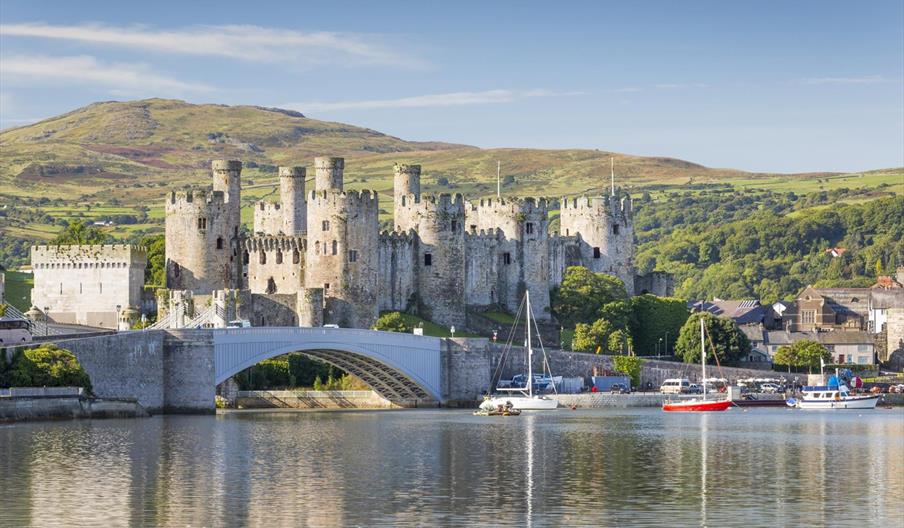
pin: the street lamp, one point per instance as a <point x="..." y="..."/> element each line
<point x="659" y="348"/>
<point x="46" y="321"/>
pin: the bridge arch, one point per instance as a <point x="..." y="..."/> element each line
<point x="399" y="367"/>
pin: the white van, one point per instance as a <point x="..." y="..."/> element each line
<point x="675" y="386"/>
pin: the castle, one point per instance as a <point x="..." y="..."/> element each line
<point x="318" y="257"/>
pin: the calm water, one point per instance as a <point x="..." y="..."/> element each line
<point x="765" y="467"/>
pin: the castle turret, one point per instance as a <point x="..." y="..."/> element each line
<point x="342" y="254"/>
<point x="328" y="174"/>
<point x="291" y="197"/>
<point x="438" y="222"/>
<point x="605" y="227"/>
<point x="407" y="180"/>
<point x="227" y="178"/>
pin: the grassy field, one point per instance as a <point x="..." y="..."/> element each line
<point x="431" y="328"/>
<point x="18" y="289"/>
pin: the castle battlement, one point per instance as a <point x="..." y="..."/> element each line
<point x="274" y="243"/>
<point x="445" y="201"/>
<point x="483" y="234"/>
<point x="266" y="205"/>
<point x="398" y="237"/>
<point x="598" y="205"/>
<point x="103" y="255"/>
<point x="512" y="205"/>
<point x="194" y="198"/>
<point x="331" y="198"/>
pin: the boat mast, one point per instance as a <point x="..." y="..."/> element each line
<point x="703" y="355"/>
<point x="530" y="353"/>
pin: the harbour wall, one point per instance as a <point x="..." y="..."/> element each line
<point x="21" y="409"/>
<point x="302" y="399"/>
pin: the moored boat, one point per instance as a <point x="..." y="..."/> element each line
<point x="833" y="395"/>
<point x="702" y="404"/>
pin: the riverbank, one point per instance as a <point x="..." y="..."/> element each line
<point x="36" y="408"/>
<point x="289" y="399"/>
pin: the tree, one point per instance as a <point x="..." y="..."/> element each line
<point x="47" y="366"/>
<point x="592" y="337"/>
<point x="155" y="272"/>
<point x="583" y="294"/>
<point x="620" y="342"/>
<point x="654" y="318"/>
<point x="77" y="232"/>
<point x="629" y="366"/>
<point x="879" y="267"/>
<point x="392" y="322"/>
<point x="731" y="344"/>
<point x="803" y="353"/>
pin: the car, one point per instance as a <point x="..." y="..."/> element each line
<point x="675" y="386"/>
<point x="770" y="388"/>
<point x="239" y="323"/>
<point x="331" y="326"/>
<point x="620" y="388"/>
<point x="695" y="389"/>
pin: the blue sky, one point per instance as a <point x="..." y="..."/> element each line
<point x="766" y="86"/>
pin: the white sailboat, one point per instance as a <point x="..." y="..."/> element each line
<point x="523" y="398"/>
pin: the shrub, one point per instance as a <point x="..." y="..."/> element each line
<point x="629" y="366"/>
<point x="47" y="366"/>
<point x="392" y="322"/>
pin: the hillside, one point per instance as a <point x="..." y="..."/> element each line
<point x="115" y="161"/>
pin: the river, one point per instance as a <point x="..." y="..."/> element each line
<point x="630" y="467"/>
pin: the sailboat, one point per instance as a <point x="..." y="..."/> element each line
<point x="523" y="398"/>
<point x="701" y="404"/>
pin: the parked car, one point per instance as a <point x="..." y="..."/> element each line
<point x="770" y="388"/>
<point x="675" y="386"/>
<point x="695" y="389"/>
<point x="620" y="388"/>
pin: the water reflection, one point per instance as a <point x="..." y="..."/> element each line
<point x="767" y="467"/>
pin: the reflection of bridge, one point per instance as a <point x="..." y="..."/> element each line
<point x="400" y="367"/>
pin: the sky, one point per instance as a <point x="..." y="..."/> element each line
<point x="770" y="86"/>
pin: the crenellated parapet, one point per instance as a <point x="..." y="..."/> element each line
<point x="273" y="243"/>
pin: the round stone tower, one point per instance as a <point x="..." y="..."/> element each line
<point x="342" y="254"/>
<point x="291" y="197"/>
<point x="605" y="225"/>
<point x="227" y="178"/>
<point x="439" y="225"/>
<point x="407" y="180"/>
<point x="328" y="173"/>
<point x="523" y="248"/>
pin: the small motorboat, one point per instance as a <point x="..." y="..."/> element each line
<point x="834" y="395"/>
<point x="488" y="408"/>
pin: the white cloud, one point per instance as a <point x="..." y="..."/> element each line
<point x="868" y="79"/>
<point x="250" y="43"/>
<point x="121" y="78"/>
<point x="434" y="100"/>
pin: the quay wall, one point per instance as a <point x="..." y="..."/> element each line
<point x="63" y="408"/>
<point x="304" y="399"/>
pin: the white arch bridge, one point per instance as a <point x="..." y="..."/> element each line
<point x="399" y="367"/>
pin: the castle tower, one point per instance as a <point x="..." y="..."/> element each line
<point x="227" y="178"/>
<point x="291" y="197"/>
<point x="605" y="225"/>
<point x="522" y="248"/>
<point x="407" y="180"/>
<point x="342" y="254"/>
<point x="328" y="173"/>
<point x="439" y="225"/>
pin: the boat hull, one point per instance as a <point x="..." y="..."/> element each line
<point x="856" y="402"/>
<point x="696" y="406"/>
<point x="524" y="403"/>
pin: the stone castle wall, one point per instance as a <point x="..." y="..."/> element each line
<point x="85" y="284"/>
<point x="444" y="255"/>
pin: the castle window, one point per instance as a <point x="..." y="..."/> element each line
<point x="326" y="286"/>
<point x="352" y="255"/>
<point x="263" y="258"/>
<point x="325" y="225"/>
<point x="271" y="285"/>
<point x="403" y="200"/>
<point x="80" y="287"/>
<point x="61" y="288"/>
<point x="596" y="253"/>
<point x="506" y="258"/>
<point x="454" y="226"/>
<point x="428" y="259"/>
<point x="100" y="287"/>
<point x="219" y="242"/>
<point x="317" y="247"/>
<point x="296" y="257"/>
<point x="529" y="228"/>
<point x="473" y="227"/>
<point x="614" y="229"/>
<point x="335" y="247"/>
<point x="202" y="223"/>
<point x="279" y="257"/>
<point x="176" y="269"/>
<point x="245" y="257"/>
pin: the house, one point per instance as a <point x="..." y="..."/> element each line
<point x="849" y="347"/>
<point x="775" y="339"/>
<point x="759" y="352"/>
<point x="821" y="309"/>
<point x="741" y="312"/>
<point x="836" y="251"/>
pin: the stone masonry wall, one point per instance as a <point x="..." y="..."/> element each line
<point x="188" y="372"/>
